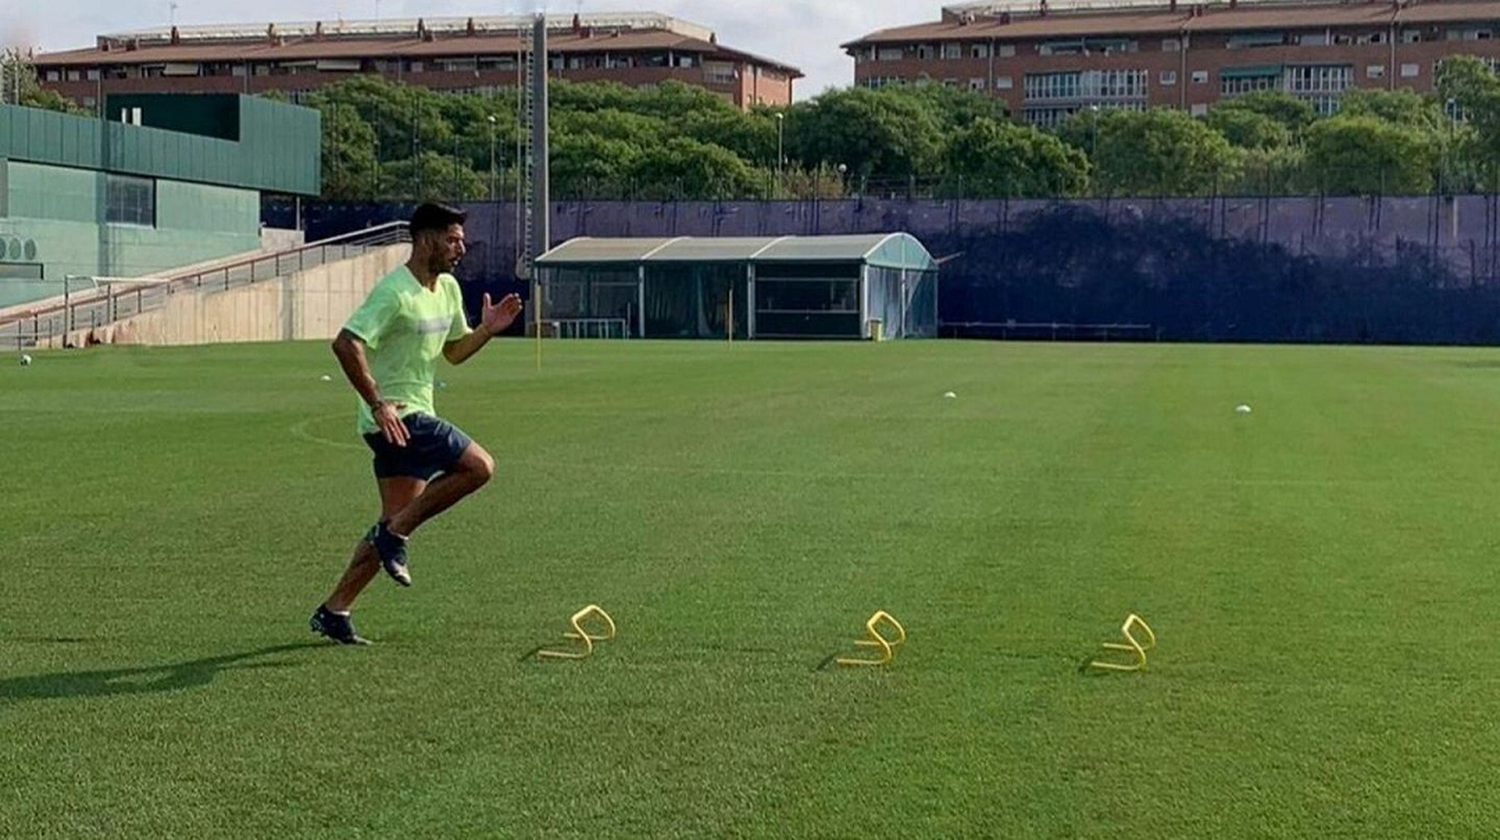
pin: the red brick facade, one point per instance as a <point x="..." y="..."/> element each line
<point x="1190" y="56"/>
<point x="455" y="58"/>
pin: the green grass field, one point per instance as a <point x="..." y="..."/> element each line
<point x="1322" y="576"/>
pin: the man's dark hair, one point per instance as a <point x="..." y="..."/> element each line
<point x="432" y="216"/>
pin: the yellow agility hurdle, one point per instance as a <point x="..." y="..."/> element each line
<point x="578" y="632"/>
<point x="1130" y="645"/>
<point x="886" y="646"/>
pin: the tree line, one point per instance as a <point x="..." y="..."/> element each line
<point x="389" y="140"/>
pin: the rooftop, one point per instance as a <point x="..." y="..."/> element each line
<point x="406" y="37"/>
<point x="1014" y="19"/>
<point x="891" y="250"/>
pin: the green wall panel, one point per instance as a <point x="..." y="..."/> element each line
<point x="57" y="208"/>
<point x="52" y="193"/>
<point x="277" y="149"/>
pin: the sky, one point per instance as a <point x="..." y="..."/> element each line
<point x="803" y="33"/>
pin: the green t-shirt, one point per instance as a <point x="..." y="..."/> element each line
<point x="404" y="326"/>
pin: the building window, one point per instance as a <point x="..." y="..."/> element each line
<point x="1342" y="40"/>
<point x="1411" y="36"/>
<point x="1318" y="78"/>
<point x="1171" y="45"/>
<point x="979" y="51"/>
<point x="1168" y="77"/>
<point x="1052" y="116"/>
<point x="54" y="75"/>
<point x="1371" y="38"/>
<point x="976" y="84"/>
<point x="1375" y="71"/>
<point x="1250" y="40"/>
<point x="889" y="54"/>
<point x="952" y="51"/>
<point x="130" y="200"/>
<point x="75" y="75"/>
<point x="1410" y="71"/>
<point x="719" y="73"/>
<point x="1198" y="109"/>
<point x="1004" y="83"/>
<point x="1235" y="81"/>
<point x="1311" y="39"/>
<point x="1006" y="50"/>
<point x="1472" y="34"/>
<point x="1200" y="77"/>
<point x="1097" y="85"/>
<point x="1088" y="46"/>
<point x="924" y="52"/>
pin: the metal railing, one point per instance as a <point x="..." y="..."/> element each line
<point x="112" y="304"/>
<point x="586" y="328"/>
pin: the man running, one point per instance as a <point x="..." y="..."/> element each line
<point x="389" y="350"/>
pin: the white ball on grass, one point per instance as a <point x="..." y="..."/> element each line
<point x="25" y="360"/>
<point x="1242" y="409"/>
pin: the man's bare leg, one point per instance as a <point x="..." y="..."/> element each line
<point x="395" y="495"/>
<point x="474" y="469"/>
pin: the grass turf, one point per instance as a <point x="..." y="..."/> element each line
<point x="1321" y="575"/>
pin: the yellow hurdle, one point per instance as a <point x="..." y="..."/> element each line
<point x="886" y="646"/>
<point x="578" y="632"/>
<point x="1130" y="645"/>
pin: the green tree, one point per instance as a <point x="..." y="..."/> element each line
<point x="1452" y="142"/>
<point x="349" y="165"/>
<point x="1364" y="155"/>
<point x="751" y="135"/>
<point x="1401" y="107"/>
<point x="638" y="130"/>
<point x="990" y="158"/>
<point x="592" y="165"/>
<point x="687" y="169"/>
<point x="671" y="100"/>
<point x="19" y="86"/>
<point x="886" y="133"/>
<point x="954" y="107"/>
<point x="431" y="176"/>
<point x="1161" y="152"/>
<point x="1474" y="92"/>
<point x="1249" y="129"/>
<point x="1294" y="114"/>
<point x="407" y="119"/>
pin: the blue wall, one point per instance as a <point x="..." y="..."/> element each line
<point x="1391" y="270"/>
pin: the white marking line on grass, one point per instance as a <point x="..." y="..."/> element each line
<point x="299" y="430"/>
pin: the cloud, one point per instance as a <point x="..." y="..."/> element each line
<point x="803" y="33"/>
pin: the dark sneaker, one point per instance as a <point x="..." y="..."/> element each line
<point x="336" y="627"/>
<point x="392" y="551"/>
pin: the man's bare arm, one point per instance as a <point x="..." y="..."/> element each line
<point x="350" y="351"/>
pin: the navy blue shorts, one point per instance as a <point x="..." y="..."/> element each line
<point x="433" y="446"/>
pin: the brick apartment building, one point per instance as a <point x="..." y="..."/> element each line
<point x="457" y="54"/>
<point x="1048" y="60"/>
